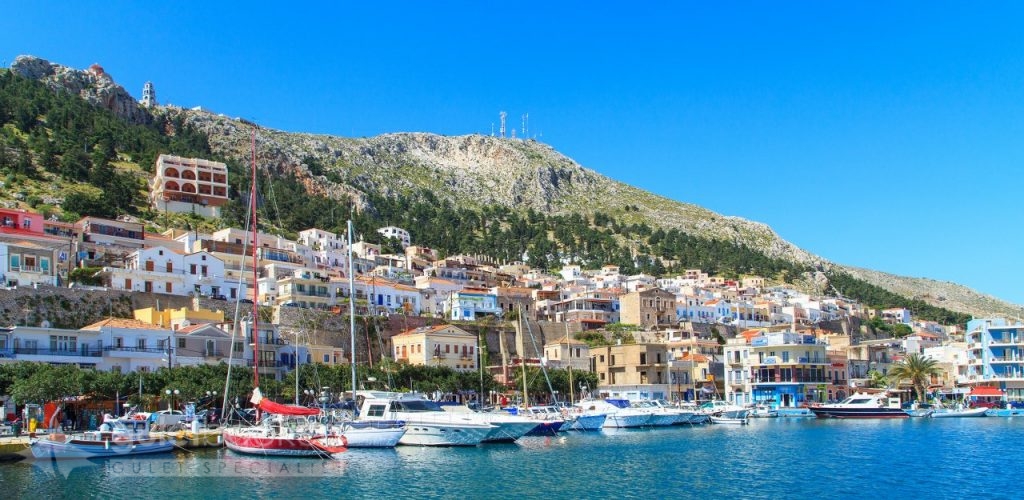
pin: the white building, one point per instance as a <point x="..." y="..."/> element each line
<point x="397" y="233"/>
<point x="185" y="185"/>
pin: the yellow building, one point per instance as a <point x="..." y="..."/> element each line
<point x="443" y="345"/>
<point x="175" y="319"/>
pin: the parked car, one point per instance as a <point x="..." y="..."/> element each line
<point x="244" y="301"/>
<point x="218" y="297"/>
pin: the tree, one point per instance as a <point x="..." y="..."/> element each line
<point x="876" y="380"/>
<point x="918" y="370"/>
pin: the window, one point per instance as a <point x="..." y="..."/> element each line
<point x="170" y="267"/>
<point x="327" y="358"/>
<point x="141" y="343"/>
<point x="168" y="287"/>
<point x="237" y="347"/>
<point x="375" y="411"/>
<point x="181" y="343"/>
<point x="785" y="356"/>
<point x="191" y="268"/>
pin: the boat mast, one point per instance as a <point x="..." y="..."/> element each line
<point x="522" y="360"/>
<point x="568" y="345"/>
<point x="255" y="275"/>
<point x="352" y="312"/>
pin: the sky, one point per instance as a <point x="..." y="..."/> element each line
<point x="884" y="135"/>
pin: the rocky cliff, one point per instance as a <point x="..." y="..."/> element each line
<point x="94" y="85"/>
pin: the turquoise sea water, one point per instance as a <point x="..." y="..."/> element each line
<point x="771" y="458"/>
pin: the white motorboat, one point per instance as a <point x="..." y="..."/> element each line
<point x="617" y="411"/>
<point x="660" y="417"/>
<point x="507" y="427"/>
<point x="426" y="423"/>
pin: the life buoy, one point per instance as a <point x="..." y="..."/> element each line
<point x="120" y="439"/>
<point x="58" y="437"/>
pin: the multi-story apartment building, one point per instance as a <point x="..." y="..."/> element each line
<point x="443" y="345"/>
<point x="206" y="344"/>
<point x="782" y="369"/>
<point x="469" y="303"/>
<point x="632" y="370"/>
<point x="185" y="185"/>
<point x="24" y="263"/>
<point x="329" y="251"/>
<point x="397" y="233"/>
<point x="651" y="308"/>
<point x="567" y="352"/>
<point x="160" y="269"/>
<point x="995" y="356"/>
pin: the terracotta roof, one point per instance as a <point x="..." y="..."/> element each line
<point x="122" y="323"/>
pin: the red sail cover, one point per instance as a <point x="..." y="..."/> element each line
<point x="280" y="409"/>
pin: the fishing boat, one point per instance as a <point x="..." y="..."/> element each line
<point x="728" y="420"/>
<point x="959" y="411"/>
<point x="723" y="409"/>
<point x="862" y="405"/>
<point x="115" y="438"/>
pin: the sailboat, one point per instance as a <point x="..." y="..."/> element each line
<point x="289" y="430"/>
<point x="365" y="433"/>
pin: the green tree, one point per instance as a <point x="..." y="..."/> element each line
<point x="918" y="370"/>
<point x="877" y="380"/>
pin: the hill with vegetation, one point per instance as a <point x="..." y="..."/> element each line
<point x="64" y="155"/>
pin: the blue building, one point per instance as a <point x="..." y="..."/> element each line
<point x="995" y="356"/>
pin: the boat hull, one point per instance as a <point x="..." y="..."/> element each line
<point x="549" y="428"/>
<point x="970" y="413"/>
<point x="619" y="421"/>
<point x="434" y="434"/>
<point x="508" y="432"/>
<point x="826" y="412"/>
<point x="270" y="445"/>
<point x="374" y="436"/>
<point x="78" y="449"/>
<point x="585" y="423"/>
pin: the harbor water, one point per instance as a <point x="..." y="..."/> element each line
<point x="770" y="458"/>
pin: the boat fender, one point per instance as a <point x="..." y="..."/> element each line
<point x="120" y="439"/>
<point x="57" y="437"/>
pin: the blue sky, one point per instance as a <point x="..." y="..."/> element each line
<point x="876" y="135"/>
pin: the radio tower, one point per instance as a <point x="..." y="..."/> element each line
<point x="503" y="115"/>
<point x="526" y="121"/>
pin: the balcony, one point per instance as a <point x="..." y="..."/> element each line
<point x="790" y="380"/>
<point x="32" y="351"/>
<point x="130" y="352"/>
<point x="214" y="354"/>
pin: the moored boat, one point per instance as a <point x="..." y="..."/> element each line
<point x="116" y="438"/>
<point x="861" y="405"/>
<point x="617" y="411"/>
<point x="426" y="423"/>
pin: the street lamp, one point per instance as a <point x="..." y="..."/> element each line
<point x="170" y="401"/>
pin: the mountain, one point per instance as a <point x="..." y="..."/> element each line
<point x="479" y="173"/>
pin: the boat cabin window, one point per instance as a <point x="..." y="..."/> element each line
<point x="375" y="411"/>
<point x="416" y="405"/>
<point x="857" y="401"/>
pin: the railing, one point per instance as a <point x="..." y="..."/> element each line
<point x="214" y="354"/>
<point x="157" y="350"/>
<point x="265" y="363"/>
<point x="92" y="353"/>
<point x="790" y="380"/>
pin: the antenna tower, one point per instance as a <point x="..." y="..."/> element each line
<point x="526" y="121"/>
<point x="503" y="115"/>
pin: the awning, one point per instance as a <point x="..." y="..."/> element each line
<point x="984" y="390"/>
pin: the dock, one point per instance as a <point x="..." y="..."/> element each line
<point x="13" y="448"/>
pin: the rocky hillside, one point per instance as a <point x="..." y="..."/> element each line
<point x="475" y="171"/>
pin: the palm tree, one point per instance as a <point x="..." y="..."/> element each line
<point x="918" y="369"/>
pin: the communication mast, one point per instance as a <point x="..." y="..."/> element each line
<point x="526" y="122"/>
<point x="503" y="115"/>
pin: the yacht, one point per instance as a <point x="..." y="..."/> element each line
<point x="617" y="411"/>
<point x="862" y="405"/>
<point x="507" y="427"/>
<point x="426" y="423"/>
<point x="660" y="417"/>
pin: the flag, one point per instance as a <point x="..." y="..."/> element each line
<point x="257" y="396"/>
